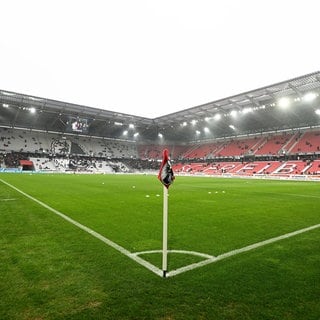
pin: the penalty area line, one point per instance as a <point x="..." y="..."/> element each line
<point x="95" y="234"/>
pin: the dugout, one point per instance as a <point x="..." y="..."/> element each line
<point x="26" y="165"/>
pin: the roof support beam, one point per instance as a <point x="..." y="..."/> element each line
<point x="295" y="90"/>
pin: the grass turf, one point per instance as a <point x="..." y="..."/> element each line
<point x="52" y="270"/>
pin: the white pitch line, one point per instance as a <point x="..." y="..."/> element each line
<point x="193" y="253"/>
<point x="237" y="251"/>
<point x="11" y="199"/>
<point x="95" y="234"/>
<point x="134" y="256"/>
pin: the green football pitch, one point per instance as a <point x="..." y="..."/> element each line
<point x="89" y="247"/>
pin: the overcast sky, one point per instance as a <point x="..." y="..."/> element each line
<point x="151" y="58"/>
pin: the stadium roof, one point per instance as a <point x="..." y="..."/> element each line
<point x="290" y="104"/>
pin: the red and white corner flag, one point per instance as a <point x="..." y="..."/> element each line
<point x="166" y="177"/>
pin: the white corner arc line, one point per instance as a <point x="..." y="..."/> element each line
<point x="193" y="253"/>
<point x="95" y="234"/>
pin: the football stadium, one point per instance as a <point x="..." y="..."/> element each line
<point x="82" y="208"/>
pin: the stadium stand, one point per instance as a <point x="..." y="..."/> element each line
<point x="239" y="147"/>
<point x="203" y="151"/>
<point x="151" y="151"/>
<point x="50" y="152"/>
<point x="274" y="145"/>
<point x="314" y="169"/>
<point x="272" y="168"/>
<point x="309" y="142"/>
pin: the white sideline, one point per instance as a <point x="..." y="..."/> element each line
<point x="135" y="256"/>
<point x="95" y="234"/>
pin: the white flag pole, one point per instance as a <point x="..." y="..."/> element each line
<point x="165" y="232"/>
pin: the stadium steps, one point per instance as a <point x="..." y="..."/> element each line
<point x="77" y="149"/>
<point x="292" y="142"/>
<point x="258" y="145"/>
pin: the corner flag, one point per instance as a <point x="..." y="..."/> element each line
<point x="166" y="175"/>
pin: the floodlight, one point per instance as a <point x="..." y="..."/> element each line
<point x="193" y="122"/>
<point x="247" y="110"/>
<point x="160" y="135"/>
<point x="217" y="116"/>
<point x="310" y="96"/>
<point x="317" y="112"/>
<point x="5" y="105"/>
<point x="131" y="126"/>
<point x="197" y="132"/>
<point x="125" y="132"/>
<point x="232" y="127"/>
<point x="136" y="134"/>
<point x="283" y="102"/>
<point x="184" y="123"/>
<point x="233" y="113"/>
<point x="118" y="123"/>
<point x="206" y="130"/>
<point x="32" y="110"/>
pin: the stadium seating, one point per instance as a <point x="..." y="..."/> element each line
<point x="202" y="151"/>
<point x="154" y="152"/>
<point x="314" y="168"/>
<point x="239" y="147"/>
<point x="273" y="145"/>
<point x="309" y="142"/>
<point x="59" y="153"/>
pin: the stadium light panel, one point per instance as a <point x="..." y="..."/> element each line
<point x="32" y="110"/>
<point x="310" y="96"/>
<point x="232" y="127"/>
<point x="136" y="134"/>
<point x="217" y="116"/>
<point x="233" y="113"/>
<point x="317" y="112"/>
<point x="125" y="132"/>
<point x="118" y="123"/>
<point x="160" y="135"/>
<point x="247" y="110"/>
<point x="5" y="105"/>
<point x="184" y="124"/>
<point x="284" y="102"/>
<point x="131" y="126"/>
